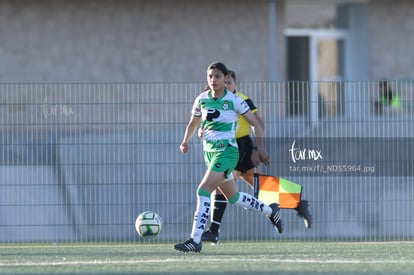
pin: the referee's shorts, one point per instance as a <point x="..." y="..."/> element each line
<point x="245" y="145"/>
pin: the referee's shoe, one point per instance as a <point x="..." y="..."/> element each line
<point x="303" y="212"/>
<point x="275" y="218"/>
<point x="209" y="236"/>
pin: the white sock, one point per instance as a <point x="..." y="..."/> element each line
<point x="251" y="203"/>
<point x="201" y="216"/>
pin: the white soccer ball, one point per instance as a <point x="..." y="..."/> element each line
<point x="148" y="224"/>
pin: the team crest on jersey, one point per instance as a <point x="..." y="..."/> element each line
<point x="225" y="105"/>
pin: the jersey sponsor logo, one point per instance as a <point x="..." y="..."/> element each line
<point x="212" y="114"/>
<point x="218" y="165"/>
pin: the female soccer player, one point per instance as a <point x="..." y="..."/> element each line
<point x="249" y="157"/>
<point x="218" y="110"/>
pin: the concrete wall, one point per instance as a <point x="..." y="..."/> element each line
<point x="392" y="39"/>
<point x="161" y="40"/>
<point x="128" y="40"/>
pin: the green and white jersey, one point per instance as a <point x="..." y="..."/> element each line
<point x="219" y="119"/>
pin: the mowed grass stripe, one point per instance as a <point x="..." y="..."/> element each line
<point x="229" y="257"/>
<point x="230" y="260"/>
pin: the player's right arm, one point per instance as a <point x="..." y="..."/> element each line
<point x="189" y="132"/>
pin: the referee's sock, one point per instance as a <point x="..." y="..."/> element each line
<point x="219" y="204"/>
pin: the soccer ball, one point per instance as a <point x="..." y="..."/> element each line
<point x="148" y="224"/>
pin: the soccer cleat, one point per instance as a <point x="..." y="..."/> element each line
<point x="275" y="218"/>
<point x="209" y="236"/>
<point x="279" y="226"/>
<point x="303" y="212"/>
<point x="188" y="246"/>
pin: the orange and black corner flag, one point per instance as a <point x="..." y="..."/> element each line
<point x="271" y="189"/>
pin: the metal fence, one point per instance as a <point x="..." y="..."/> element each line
<point x="79" y="161"/>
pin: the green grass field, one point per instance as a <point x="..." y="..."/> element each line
<point x="227" y="258"/>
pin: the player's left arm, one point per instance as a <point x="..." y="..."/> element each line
<point x="257" y="154"/>
<point x="259" y="120"/>
<point x="254" y="110"/>
<point x="258" y="135"/>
